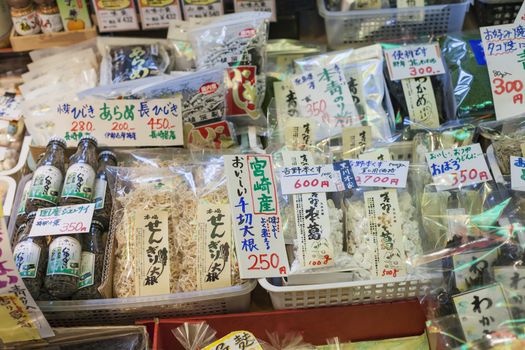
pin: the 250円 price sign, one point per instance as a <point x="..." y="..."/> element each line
<point x="122" y="123"/>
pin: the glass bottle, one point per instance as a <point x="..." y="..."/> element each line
<point x="48" y="176"/>
<point x="49" y="17"/>
<point x="18" y="233"/>
<point x="25" y="20"/>
<point x="63" y="266"/>
<point x="103" y="202"/>
<point x="30" y="256"/>
<point x="92" y="262"/>
<point x="79" y="184"/>
<point x="21" y="213"/>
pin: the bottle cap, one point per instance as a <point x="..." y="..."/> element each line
<point x="107" y="153"/>
<point x="59" y="140"/>
<point x="89" y="138"/>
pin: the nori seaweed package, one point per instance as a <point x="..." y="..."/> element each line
<point x="463" y="54"/>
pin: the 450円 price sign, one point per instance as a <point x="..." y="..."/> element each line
<point x="122" y="123"/>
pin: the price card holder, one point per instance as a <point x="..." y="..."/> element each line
<point x="117" y="15"/>
<point x="156" y="14"/>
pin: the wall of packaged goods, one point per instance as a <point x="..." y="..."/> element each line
<point x="332" y="174"/>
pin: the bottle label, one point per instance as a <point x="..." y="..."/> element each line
<point x="23" y="200"/>
<point x="87" y="270"/>
<point x="100" y="193"/>
<point x="46" y="184"/>
<point x="26" y="24"/>
<point x="64" y="257"/>
<point x="80" y="181"/>
<point x="50" y="23"/>
<point x="27" y="256"/>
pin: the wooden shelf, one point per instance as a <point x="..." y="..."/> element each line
<point x="47" y="40"/>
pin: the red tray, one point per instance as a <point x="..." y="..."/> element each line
<point x="348" y="323"/>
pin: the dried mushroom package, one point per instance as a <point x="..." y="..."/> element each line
<point x="363" y="71"/>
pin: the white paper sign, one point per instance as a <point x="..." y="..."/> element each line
<point x="458" y="167"/>
<point x="470" y="267"/>
<point x="257" y="226"/>
<point x="482" y="311"/>
<point x="378" y="173"/>
<point x="63" y="220"/>
<point x="411" y="61"/>
<point x="202" y="8"/>
<point x="285" y="101"/>
<point x="334" y="177"/>
<point x="120" y="17"/>
<point x="122" y="123"/>
<point x="356" y="140"/>
<point x="256" y="5"/>
<point x="512" y="278"/>
<point x="504" y="48"/>
<point x="323" y="93"/>
<point x="421" y="102"/>
<point x="517" y="173"/>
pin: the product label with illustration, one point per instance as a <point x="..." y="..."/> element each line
<point x="75" y="14"/>
<point x="100" y="193"/>
<point x="25" y="194"/>
<point x="64" y="257"/>
<point x="80" y="180"/>
<point x="50" y="23"/>
<point x="87" y="270"/>
<point x="46" y="184"/>
<point x="27" y="255"/>
<point x="27" y="25"/>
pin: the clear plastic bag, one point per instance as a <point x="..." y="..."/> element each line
<point x="282" y="53"/>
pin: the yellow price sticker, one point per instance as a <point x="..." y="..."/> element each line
<point x="15" y="323"/>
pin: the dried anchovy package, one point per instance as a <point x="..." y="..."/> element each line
<point x="123" y="63"/>
<point x="363" y="70"/>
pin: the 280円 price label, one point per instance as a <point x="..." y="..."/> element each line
<point x="457" y="167"/>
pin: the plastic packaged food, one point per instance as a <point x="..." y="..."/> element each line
<point x="63" y="266"/>
<point x="283" y="52"/>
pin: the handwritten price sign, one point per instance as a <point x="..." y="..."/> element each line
<point x="457" y="167"/>
<point x="122" y="123"/>
<point x="378" y="173"/>
<point x="69" y="219"/>
<point x="517" y="173"/>
<point x="412" y="61"/>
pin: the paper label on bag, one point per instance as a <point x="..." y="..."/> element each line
<point x="158" y="13"/>
<point x="215" y="246"/>
<point x="504" y="47"/>
<point x="312" y="222"/>
<point x="471" y="267"/>
<point x="421" y="103"/>
<point x="116" y="15"/>
<point x="298" y="132"/>
<point x="376" y="154"/>
<point x="67" y="219"/>
<point x="517" y="173"/>
<point x="202" y="8"/>
<point x="256" y="5"/>
<point x="384" y="225"/>
<point x="334" y="177"/>
<point x="285" y="101"/>
<point x="512" y="278"/>
<point x="458" y="167"/>
<point x="356" y="140"/>
<point x="15" y="322"/>
<point x="482" y="311"/>
<point x="122" y="123"/>
<point x="412" y="61"/>
<point x="378" y="173"/>
<point x="239" y="340"/>
<point x="259" y="241"/>
<point x="152" y="252"/>
<point x="323" y="93"/>
<point x="292" y="158"/>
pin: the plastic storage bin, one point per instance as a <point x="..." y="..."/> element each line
<point x="128" y="310"/>
<point x="347" y="27"/>
<point x="344" y="293"/>
<point x="494" y="12"/>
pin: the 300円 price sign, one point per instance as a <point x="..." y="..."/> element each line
<point x="122" y="123"/>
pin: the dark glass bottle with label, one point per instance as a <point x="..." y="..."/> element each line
<point x="18" y="234"/>
<point x="63" y="266"/>
<point x="48" y="177"/>
<point x="103" y="201"/>
<point x="21" y="213"/>
<point x="30" y="255"/>
<point x="79" y="183"/>
<point x="92" y="262"/>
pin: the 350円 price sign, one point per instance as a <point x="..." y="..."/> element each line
<point x="122" y="123"/>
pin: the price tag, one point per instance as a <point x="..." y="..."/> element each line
<point x="202" y="8"/>
<point x="11" y="284"/>
<point x="158" y="13"/>
<point x="239" y="340"/>
<point x="412" y="61"/>
<point x="68" y="219"/>
<point x="504" y="48"/>
<point x="517" y="173"/>
<point x="457" y="167"/>
<point x="116" y="15"/>
<point x="324" y="94"/>
<point x="482" y="311"/>
<point x="122" y="123"/>
<point x="378" y="173"/>
<point x="336" y="177"/>
<point x="259" y="241"/>
<point x="256" y="5"/>
<point x="356" y="140"/>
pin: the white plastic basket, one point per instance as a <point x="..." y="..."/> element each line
<point x="347" y="27"/>
<point x="127" y="310"/>
<point x="344" y="293"/>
